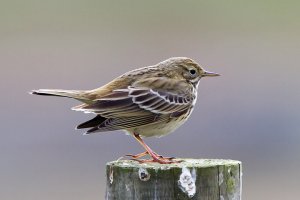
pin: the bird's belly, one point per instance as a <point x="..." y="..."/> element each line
<point x="159" y="129"/>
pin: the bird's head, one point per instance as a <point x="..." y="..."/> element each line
<point x="188" y="69"/>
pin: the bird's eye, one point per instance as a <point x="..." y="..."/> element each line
<point x="192" y="72"/>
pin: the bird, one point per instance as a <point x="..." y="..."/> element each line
<point x="150" y="101"/>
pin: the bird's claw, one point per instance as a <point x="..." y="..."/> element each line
<point x="155" y="158"/>
<point x="161" y="161"/>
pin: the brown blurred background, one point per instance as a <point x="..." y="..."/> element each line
<point x="251" y="113"/>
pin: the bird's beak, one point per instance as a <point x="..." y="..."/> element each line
<point x="207" y="73"/>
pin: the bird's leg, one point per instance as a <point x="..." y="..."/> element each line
<point x="156" y="154"/>
<point x="149" y="151"/>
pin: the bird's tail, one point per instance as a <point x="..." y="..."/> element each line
<point x="75" y="94"/>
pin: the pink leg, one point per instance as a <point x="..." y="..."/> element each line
<point x="149" y="151"/>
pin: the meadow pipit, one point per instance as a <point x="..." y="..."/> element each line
<point x="150" y="101"/>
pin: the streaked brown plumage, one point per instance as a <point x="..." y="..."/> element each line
<point x="150" y="101"/>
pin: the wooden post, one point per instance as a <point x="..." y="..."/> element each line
<point x="203" y="179"/>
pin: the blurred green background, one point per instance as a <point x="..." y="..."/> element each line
<point x="251" y="113"/>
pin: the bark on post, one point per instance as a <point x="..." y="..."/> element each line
<point x="201" y="179"/>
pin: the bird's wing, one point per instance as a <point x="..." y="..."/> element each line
<point x="127" y="123"/>
<point x="157" y="96"/>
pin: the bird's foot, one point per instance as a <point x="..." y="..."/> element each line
<point x="139" y="155"/>
<point x="155" y="158"/>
